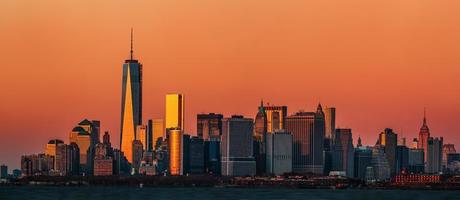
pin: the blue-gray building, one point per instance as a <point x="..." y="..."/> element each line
<point x="196" y="154"/>
<point x="278" y="152"/>
<point x="402" y="158"/>
<point x="237" y="157"/>
<point x="212" y="157"/>
<point x="362" y="160"/>
<point x="3" y="171"/>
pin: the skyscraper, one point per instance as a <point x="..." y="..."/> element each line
<point x="237" y="158"/>
<point x="307" y="130"/>
<point x="362" y="160"/>
<point x="138" y="150"/>
<point x="212" y="156"/>
<point x="423" y="136"/>
<point x="447" y="149"/>
<point x="260" y="122"/>
<point x="402" y="158"/>
<point x="279" y="152"/>
<point x="103" y="162"/>
<point x="380" y="166"/>
<point x="131" y="103"/>
<point x="329" y="121"/>
<point x="343" y="151"/>
<point x="416" y="163"/>
<point x="175" y="151"/>
<point x="196" y="155"/>
<point x="175" y="111"/>
<point x="209" y="125"/>
<point x="82" y="138"/>
<point x="276" y="116"/>
<point x="52" y="150"/>
<point x="434" y="157"/>
<point x="388" y="140"/>
<point x="73" y="159"/>
<point x="260" y="132"/>
<point x="150" y="140"/>
<point x="3" y="171"/>
<point x="141" y="135"/>
<point x="158" y="130"/>
<point x="60" y="160"/>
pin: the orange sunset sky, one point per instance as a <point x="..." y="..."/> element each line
<point x="378" y="62"/>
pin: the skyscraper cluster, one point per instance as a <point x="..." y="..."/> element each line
<point x="274" y="142"/>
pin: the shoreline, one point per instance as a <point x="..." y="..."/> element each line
<point x="217" y="182"/>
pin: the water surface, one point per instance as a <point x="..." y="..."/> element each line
<point x="128" y="193"/>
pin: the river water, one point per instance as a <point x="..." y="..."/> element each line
<point x="128" y="193"/>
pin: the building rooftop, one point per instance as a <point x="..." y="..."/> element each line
<point x="85" y="122"/>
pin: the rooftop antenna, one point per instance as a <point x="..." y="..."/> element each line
<point x="131" y="43"/>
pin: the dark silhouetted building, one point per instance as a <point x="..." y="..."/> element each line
<point x="36" y="164"/>
<point x="138" y="151"/>
<point x="196" y="155"/>
<point x="434" y="157"/>
<point x="402" y="159"/>
<point x="307" y="130"/>
<point x="185" y="154"/>
<point x="380" y="166"/>
<point x="3" y="171"/>
<point x="342" y="155"/>
<point x="103" y="162"/>
<point x="237" y="157"/>
<point x="212" y="156"/>
<point x="389" y="140"/>
<point x="416" y="163"/>
<point x="73" y="159"/>
<point x="150" y="137"/>
<point x="209" y="125"/>
<point x="362" y="160"/>
<point x="447" y="149"/>
<point x="86" y="135"/>
<point x="259" y="139"/>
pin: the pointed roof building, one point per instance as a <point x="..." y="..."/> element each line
<point x="423" y="136"/>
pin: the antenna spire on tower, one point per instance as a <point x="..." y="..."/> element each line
<point x="424" y="116"/>
<point x="131" y="44"/>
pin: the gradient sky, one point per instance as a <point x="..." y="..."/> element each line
<point x="378" y="62"/>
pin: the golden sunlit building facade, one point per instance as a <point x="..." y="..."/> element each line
<point x="51" y="146"/>
<point x="174" y="111"/>
<point x="131" y="104"/>
<point x="175" y="151"/>
<point x="57" y="149"/>
<point x="276" y="117"/>
<point x="158" y="129"/>
<point x="141" y="135"/>
<point x="329" y="119"/>
<point x="82" y="138"/>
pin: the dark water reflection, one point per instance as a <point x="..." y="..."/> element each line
<point x="127" y="193"/>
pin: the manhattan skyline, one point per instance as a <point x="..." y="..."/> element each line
<point x="380" y="72"/>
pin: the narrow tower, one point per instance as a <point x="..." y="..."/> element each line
<point x="423" y="136"/>
<point x="131" y="103"/>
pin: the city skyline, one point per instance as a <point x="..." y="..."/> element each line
<point x="87" y="80"/>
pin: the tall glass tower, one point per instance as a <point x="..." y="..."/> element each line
<point x="174" y="111"/>
<point x="131" y="103"/>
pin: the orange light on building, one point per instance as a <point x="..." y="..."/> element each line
<point x="175" y="151"/>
